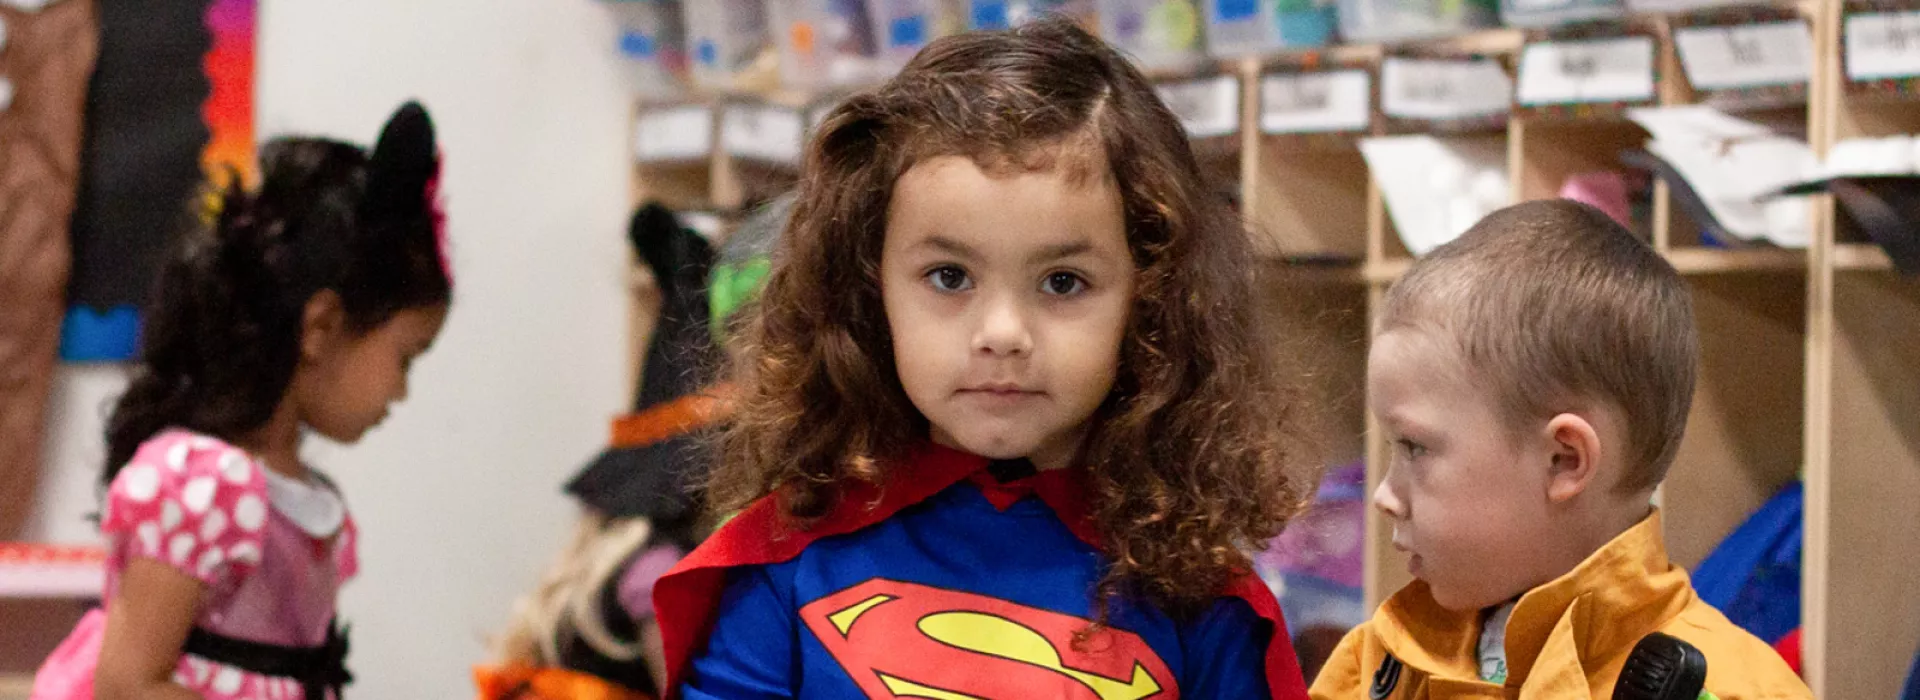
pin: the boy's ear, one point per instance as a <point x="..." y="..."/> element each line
<point x="1576" y="452"/>
<point x="322" y="323"/>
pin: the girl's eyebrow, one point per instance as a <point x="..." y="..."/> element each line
<point x="949" y="246"/>
<point x="1048" y="253"/>
<point x="1058" y="251"/>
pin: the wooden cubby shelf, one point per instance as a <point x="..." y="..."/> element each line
<point x="1808" y="367"/>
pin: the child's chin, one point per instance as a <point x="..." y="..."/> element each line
<point x="994" y="446"/>
<point x="345" y="435"/>
<point x="1455" y="600"/>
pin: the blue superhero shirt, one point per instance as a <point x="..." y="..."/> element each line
<point x="977" y="591"/>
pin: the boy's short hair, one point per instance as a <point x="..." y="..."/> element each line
<point x="1551" y="302"/>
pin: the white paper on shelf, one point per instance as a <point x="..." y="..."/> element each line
<point x="1735" y="165"/>
<point x="1882" y="45"/>
<point x="1886" y="155"/>
<point x="1595" y="70"/>
<point x="1207" y="107"/>
<point x="766" y="132"/>
<point x="1444" y="89"/>
<point x="1436" y="188"/>
<point x="673" y="133"/>
<point x="1747" y="55"/>
<point x="1317" y="102"/>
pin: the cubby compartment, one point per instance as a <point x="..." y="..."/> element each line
<point x="1308" y="198"/>
<point x="1743" y="436"/>
<point x="1871" y="617"/>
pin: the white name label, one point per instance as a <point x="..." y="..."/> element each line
<point x="1746" y="56"/>
<point x="1207" y="107"/>
<point x="1305" y="103"/>
<point x="765" y="132"/>
<point x="1443" y="89"/>
<point x="674" y="133"/>
<point x="1596" y="70"/>
<point x="1883" y="45"/>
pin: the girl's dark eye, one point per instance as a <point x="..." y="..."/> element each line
<point x="1062" y="284"/>
<point x="949" y="279"/>
<point x="1412" y="449"/>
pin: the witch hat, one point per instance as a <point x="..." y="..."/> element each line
<point x="657" y="453"/>
<point x="1885" y="207"/>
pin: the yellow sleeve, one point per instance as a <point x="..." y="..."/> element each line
<point x="1344" y="677"/>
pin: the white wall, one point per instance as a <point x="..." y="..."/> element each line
<point x="458" y="496"/>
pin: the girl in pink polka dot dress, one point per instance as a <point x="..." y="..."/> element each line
<point x="298" y="308"/>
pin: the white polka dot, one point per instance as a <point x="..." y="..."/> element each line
<point x="226" y="682"/>
<point x="198" y="494"/>
<point x="149" y="535"/>
<point x="250" y="513"/>
<point x="181" y="547"/>
<point x="177" y="456"/>
<point x="209" y="561"/>
<point x="141" y="482"/>
<point x="244" y="553"/>
<point x="169" y="515"/>
<point x="199" y="668"/>
<point x="235" y="467"/>
<point x="212" y="526"/>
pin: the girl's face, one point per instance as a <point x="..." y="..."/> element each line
<point x="348" y="380"/>
<point x="1007" y="298"/>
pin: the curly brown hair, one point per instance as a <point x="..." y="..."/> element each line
<point x="1191" y="457"/>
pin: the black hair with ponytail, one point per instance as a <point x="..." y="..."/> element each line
<point x="221" y="336"/>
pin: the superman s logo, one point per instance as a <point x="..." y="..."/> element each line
<point x="905" y="640"/>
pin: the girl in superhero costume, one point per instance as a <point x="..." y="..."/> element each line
<point x="1005" y="415"/>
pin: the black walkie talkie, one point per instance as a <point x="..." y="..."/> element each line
<point x="1662" y="668"/>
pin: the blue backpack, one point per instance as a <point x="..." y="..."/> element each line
<point x="1754" y="575"/>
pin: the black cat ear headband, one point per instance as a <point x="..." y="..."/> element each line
<point x="403" y="182"/>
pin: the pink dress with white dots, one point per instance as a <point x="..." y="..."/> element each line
<point x="272" y="560"/>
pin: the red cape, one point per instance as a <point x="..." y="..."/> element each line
<point x="686" y="599"/>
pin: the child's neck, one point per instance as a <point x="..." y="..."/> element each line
<point x="277" y="444"/>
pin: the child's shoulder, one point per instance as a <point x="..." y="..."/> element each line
<point x="183" y="454"/>
<point x="193" y="470"/>
<point x="191" y="501"/>
<point x="1739" y="665"/>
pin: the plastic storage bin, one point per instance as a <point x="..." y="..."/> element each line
<point x="652" y="46"/>
<point x="1001" y="14"/>
<point x="1546" y="13"/>
<point x="1394" y="20"/>
<point x="825" y="43"/>
<point x="1236" y="27"/>
<point x="1305" y="22"/>
<point x="905" y="26"/>
<point x="1159" y="34"/>
<point x="724" y="37"/>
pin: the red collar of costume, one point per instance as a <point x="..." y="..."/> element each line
<point x="686" y="599"/>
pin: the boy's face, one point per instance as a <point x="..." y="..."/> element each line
<point x="1007" y="297"/>
<point x="1466" y="493"/>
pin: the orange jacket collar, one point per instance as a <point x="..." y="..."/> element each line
<point x="1556" y="629"/>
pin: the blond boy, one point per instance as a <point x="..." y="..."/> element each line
<point x="1534" y="379"/>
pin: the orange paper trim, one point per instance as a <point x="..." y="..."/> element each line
<point x="29" y="553"/>
<point x="529" y="683"/>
